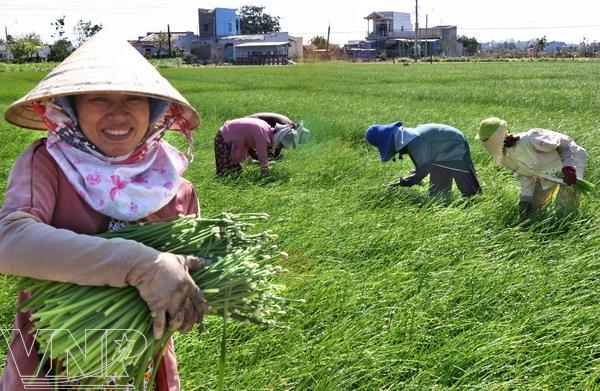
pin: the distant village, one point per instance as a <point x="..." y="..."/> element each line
<point x="390" y="35"/>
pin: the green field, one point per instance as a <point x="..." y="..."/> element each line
<point x="402" y="292"/>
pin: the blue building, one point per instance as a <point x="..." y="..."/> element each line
<point x="220" y="22"/>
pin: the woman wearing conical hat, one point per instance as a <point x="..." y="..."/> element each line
<point x="542" y="159"/>
<point x="103" y="163"/>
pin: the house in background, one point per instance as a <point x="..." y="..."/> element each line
<point x="3" y="51"/>
<point x="219" y="40"/>
<point x="261" y="49"/>
<point x="42" y="54"/>
<point x="392" y="33"/>
<point x="555" y="47"/>
<point x="296" y="48"/>
<point x="261" y="53"/>
<point x="387" y="31"/>
<point x="155" y="45"/>
<point x="360" y="51"/>
<point x="441" y="40"/>
<point x="389" y="24"/>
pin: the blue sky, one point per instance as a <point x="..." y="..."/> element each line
<point x="570" y="21"/>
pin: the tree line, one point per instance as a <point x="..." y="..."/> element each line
<point x="26" y="47"/>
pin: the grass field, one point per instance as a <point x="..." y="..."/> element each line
<point x="402" y="292"/>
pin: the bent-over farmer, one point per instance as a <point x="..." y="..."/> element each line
<point x="437" y="150"/>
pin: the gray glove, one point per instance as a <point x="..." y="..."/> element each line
<point x="168" y="289"/>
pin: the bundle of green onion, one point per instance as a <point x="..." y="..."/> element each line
<point x="581" y="185"/>
<point x="584" y="187"/>
<point x="97" y="332"/>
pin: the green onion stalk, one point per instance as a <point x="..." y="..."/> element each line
<point x="584" y="187"/>
<point x="581" y="185"/>
<point x="96" y="332"/>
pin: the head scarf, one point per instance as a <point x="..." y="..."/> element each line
<point x="303" y="133"/>
<point x="289" y="136"/>
<point x="285" y="136"/>
<point x="128" y="187"/>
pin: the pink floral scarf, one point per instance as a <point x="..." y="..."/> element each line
<point x="126" y="188"/>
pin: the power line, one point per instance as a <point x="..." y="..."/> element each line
<point x="469" y="28"/>
<point x="530" y="27"/>
<point x="332" y="32"/>
<point x="475" y="28"/>
<point x="64" y="4"/>
<point x="86" y="8"/>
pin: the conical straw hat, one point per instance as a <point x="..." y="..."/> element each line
<point x="102" y="64"/>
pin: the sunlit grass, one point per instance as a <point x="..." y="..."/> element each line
<point x="402" y="291"/>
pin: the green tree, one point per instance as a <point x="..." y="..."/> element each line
<point x="540" y="44"/>
<point x="161" y="40"/>
<point x="25" y="47"/>
<point x="470" y="44"/>
<point x="319" y="41"/>
<point x="61" y="47"/>
<point x="84" y="30"/>
<point x="254" y="21"/>
<point x="60" y="50"/>
<point x="59" y="28"/>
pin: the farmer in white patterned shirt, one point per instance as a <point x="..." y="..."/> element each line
<point x="543" y="160"/>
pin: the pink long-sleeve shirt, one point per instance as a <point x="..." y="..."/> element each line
<point x="245" y="134"/>
<point x="38" y="187"/>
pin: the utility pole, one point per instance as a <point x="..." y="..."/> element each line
<point x="328" y="32"/>
<point x="416" y="28"/>
<point x="169" y="38"/>
<point x="426" y="34"/>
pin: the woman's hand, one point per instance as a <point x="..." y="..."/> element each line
<point x="169" y="290"/>
<point x="402" y="182"/>
<point x="569" y="175"/>
<point x="510" y="141"/>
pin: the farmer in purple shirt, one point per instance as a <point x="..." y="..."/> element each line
<point x="272" y="119"/>
<point x="236" y="138"/>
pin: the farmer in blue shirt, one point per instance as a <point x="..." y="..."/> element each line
<point x="437" y="150"/>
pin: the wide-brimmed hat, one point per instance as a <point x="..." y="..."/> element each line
<point x="488" y="127"/>
<point x="491" y="134"/>
<point x="272" y="118"/>
<point x="381" y="136"/>
<point x="102" y="64"/>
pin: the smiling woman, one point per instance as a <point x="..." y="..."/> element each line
<point x="115" y="123"/>
<point x="103" y="164"/>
